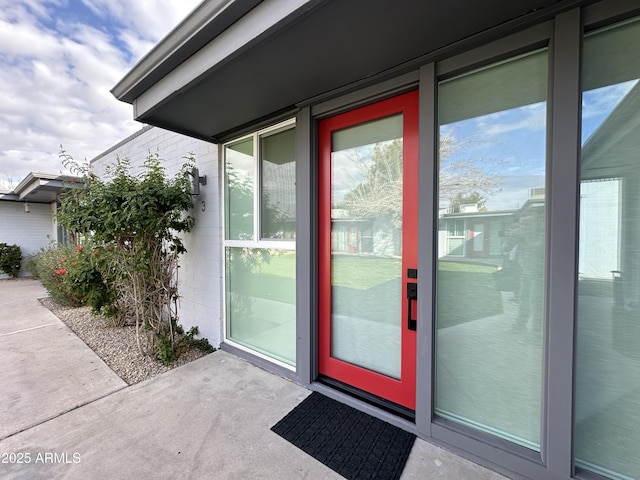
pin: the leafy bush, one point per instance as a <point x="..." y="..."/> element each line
<point x="200" y="343"/>
<point x="75" y="276"/>
<point x="10" y="258"/>
<point x="88" y="278"/>
<point x="136" y="219"/>
<point x="30" y="264"/>
<point x="52" y="266"/>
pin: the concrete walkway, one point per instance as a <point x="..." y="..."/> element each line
<point x="64" y="414"/>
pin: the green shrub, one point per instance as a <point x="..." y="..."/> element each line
<point x="137" y="219"/>
<point x="52" y="265"/>
<point x="30" y="264"/>
<point x="77" y="276"/>
<point x="86" y="278"/>
<point x="10" y="258"/>
<point x="200" y="343"/>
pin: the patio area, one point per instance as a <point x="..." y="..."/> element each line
<point x="65" y="414"/>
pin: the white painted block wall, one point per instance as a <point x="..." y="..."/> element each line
<point x="200" y="272"/>
<point x="30" y="231"/>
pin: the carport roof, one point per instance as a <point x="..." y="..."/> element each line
<point x="231" y="63"/>
<point x="40" y="188"/>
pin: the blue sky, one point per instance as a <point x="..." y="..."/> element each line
<point x="512" y="143"/>
<point x="58" y="61"/>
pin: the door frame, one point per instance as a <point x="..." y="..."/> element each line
<point x="403" y="391"/>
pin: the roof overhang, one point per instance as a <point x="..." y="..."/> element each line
<point x="41" y="188"/>
<point x="234" y="62"/>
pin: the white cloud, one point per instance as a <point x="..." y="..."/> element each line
<point x="56" y="70"/>
<point x="529" y="117"/>
<point x="601" y="101"/>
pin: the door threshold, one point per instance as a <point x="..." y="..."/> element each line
<point x="374" y="400"/>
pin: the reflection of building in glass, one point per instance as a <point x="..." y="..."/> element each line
<point x="609" y="188"/>
<point x="375" y="235"/>
<point x="609" y="261"/>
<point x="279" y="199"/>
<point x="467" y="232"/>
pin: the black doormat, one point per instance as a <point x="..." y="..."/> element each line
<point x="350" y="442"/>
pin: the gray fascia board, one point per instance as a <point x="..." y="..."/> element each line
<point x="31" y="187"/>
<point x="262" y="20"/>
<point x="206" y="13"/>
<point x="24" y="183"/>
<point x="8" y="197"/>
<point x="36" y="180"/>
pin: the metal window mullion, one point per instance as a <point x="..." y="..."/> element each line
<point x="257" y="188"/>
<point x="563" y="205"/>
<point x="427" y="226"/>
<point x="270" y="244"/>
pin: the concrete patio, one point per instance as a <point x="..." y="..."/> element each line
<point x="64" y="414"/>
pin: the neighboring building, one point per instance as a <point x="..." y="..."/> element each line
<point x="386" y="112"/>
<point x="27" y="213"/>
<point x="470" y="232"/>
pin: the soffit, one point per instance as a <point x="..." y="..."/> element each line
<point x="323" y="46"/>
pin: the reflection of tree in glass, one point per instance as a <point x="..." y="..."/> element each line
<point x="241" y="264"/>
<point x="473" y="198"/>
<point x="379" y="193"/>
<point x="464" y="180"/>
<point x="239" y="198"/>
<point x="276" y="221"/>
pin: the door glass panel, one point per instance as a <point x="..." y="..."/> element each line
<point x="607" y="415"/>
<point x="366" y="226"/>
<point x="490" y="275"/>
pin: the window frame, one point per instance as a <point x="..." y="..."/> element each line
<point x="256" y="242"/>
<point x="503" y="455"/>
<point x="565" y="33"/>
<point x="600" y="16"/>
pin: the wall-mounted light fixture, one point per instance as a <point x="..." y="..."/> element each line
<point x="196" y="181"/>
<point x="26" y="208"/>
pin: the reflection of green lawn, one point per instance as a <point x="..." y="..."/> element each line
<point x="273" y="287"/>
<point x="275" y="279"/>
<point x="466" y="292"/>
<point x="281" y="264"/>
<point x="363" y="271"/>
<point x="465" y="267"/>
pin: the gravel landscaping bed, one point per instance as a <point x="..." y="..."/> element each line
<point x="116" y="345"/>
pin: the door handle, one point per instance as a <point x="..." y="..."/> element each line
<point x="412" y="296"/>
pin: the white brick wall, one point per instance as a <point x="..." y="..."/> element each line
<point x="30" y="231"/>
<point x="200" y="272"/>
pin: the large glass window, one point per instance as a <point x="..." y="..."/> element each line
<point x="261" y="300"/>
<point x="260" y="254"/>
<point x="491" y="268"/>
<point x="278" y="194"/>
<point x="607" y="416"/>
<point x="238" y="187"/>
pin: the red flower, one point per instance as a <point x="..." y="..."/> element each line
<point x="79" y="249"/>
<point x="61" y="271"/>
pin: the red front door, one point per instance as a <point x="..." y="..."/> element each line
<point x="368" y="219"/>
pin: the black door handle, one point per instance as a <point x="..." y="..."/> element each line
<point x="412" y="296"/>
